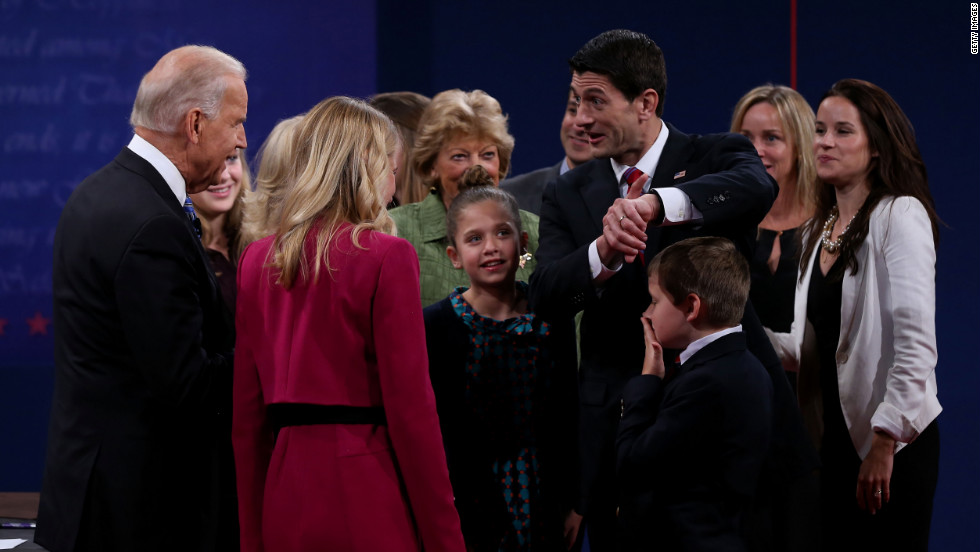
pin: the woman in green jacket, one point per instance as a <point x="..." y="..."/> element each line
<point x="458" y="130"/>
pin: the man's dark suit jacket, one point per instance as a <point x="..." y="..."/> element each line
<point x="140" y="421"/>
<point x="529" y="187"/>
<point x="726" y="181"/>
<point x="690" y="450"/>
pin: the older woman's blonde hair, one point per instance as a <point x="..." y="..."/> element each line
<point x="340" y="170"/>
<point x="275" y="158"/>
<point x="799" y="125"/>
<point x="453" y="114"/>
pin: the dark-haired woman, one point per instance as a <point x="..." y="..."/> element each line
<point x="867" y="286"/>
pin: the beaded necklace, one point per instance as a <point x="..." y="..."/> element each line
<point x="829" y="245"/>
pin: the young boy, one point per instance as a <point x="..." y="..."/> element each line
<point x="691" y="444"/>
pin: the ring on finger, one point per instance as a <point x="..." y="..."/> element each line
<point x="621" y="218"/>
<point x="877" y="492"/>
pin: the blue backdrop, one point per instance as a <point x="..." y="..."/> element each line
<point x="69" y="71"/>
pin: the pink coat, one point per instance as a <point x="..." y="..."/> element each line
<point x="355" y="337"/>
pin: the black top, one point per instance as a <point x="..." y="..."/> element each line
<point x="823" y="311"/>
<point x="772" y="294"/>
<point x="224" y="272"/>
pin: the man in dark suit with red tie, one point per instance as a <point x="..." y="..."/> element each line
<point x="598" y="229"/>
<point x="139" y="444"/>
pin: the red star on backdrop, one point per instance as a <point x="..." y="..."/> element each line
<point x="3" y="322"/>
<point x="38" y="324"/>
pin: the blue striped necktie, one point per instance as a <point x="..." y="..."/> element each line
<point x="192" y="216"/>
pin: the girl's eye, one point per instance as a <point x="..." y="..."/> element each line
<point x="820" y="132"/>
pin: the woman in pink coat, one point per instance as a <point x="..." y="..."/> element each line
<point x="337" y="443"/>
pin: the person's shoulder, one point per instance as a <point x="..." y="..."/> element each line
<point x="897" y="207"/>
<point x="438" y="313"/>
<point x="528" y="218"/>
<point x="257" y="251"/>
<point x="540" y="176"/>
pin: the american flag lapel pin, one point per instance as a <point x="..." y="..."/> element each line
<point x="679" y="174"/>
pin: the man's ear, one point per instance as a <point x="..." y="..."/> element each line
<point x="693" y="308"/>
<point x="193" y="123"/>
<point x="454" y="257"/>
<point x="647" y="103"/>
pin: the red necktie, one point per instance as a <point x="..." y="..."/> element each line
<point x="631" y="175"/>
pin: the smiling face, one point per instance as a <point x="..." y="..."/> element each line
<point x="611" y="122"/>
<point x="670" y="321"/>
<point x="220" y="198"/>
<point x="573" y="139"/>
<point x="459" y="154"/>
<point x="487" y="245"/>
<point x="218" y="138"/>
<point x="841" y="144"/>
<point x="763" y="127"/>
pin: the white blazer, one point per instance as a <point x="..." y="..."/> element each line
<point x="886" y="357"/>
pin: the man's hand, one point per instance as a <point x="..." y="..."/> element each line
<point x="624" y="228"/>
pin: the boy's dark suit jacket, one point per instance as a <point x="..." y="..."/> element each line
<point x="482" y="510"/>
<point x="690" y="450"/>
<point x="140" y="421"/>
<point x="725" y="180"/>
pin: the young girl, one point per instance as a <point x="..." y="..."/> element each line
<point x="505" y="385"/>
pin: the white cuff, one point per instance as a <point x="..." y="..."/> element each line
<point x="677" y="207"/>
<point x="599" y="271"/>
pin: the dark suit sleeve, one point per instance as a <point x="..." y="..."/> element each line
<point x="735" y="187"/>
<point x="561" y="284"/>
<point x="656" y="429"/>
<point x="157" y="293"/>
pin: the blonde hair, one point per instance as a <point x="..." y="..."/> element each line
<point x="798" y="121"/>
<point x="275" y="158"/>
<point x="185" y="78"/>
<point x="341" y="167"/>
<point x="451" y="114"/>
<point x="233" y="221"/>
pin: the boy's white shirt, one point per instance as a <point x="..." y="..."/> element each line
<point x="704" y="341"/>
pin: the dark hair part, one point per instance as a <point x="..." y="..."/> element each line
<point x="896" y="169"/>
<point x="632" y="61"/>
<point x="709" y="267"/>
<point x="479" y="193"/>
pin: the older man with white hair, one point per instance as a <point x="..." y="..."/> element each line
<point x="139" y="447"/>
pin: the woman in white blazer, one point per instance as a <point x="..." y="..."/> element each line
<point x="864" y="324"/>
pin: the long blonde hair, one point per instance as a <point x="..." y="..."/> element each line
<point x="263" y="206"/>
<point x="342" y="162"/>
<point x="797" y="119"/>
